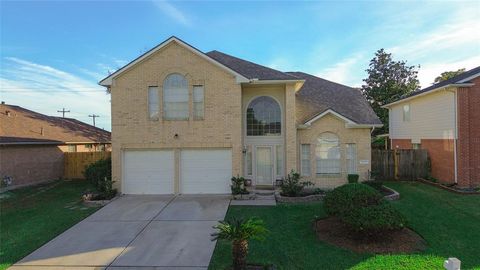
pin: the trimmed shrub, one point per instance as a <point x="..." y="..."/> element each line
<point x="99" y="174"/>
<point x="291" y="185"/>
<point x="374" y="219"/>
<point x="353" y="178"/>
<point x="374" y="184"/>
<point x="363" y="209"/>
<point x="345" y="198"/>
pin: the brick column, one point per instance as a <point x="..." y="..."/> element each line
<point x="290" y="129"/>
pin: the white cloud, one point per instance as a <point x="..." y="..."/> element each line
<point x="47" y="89"/>
<point x="343" y="72"/>
<point x="430" y="71"/>
<point x="172" y="11"/>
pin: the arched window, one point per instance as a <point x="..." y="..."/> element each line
<point x="327" y="153"/>
<point x="264" y="117"/>
<point x="175" y="97"/>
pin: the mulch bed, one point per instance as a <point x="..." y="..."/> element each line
<point x="333" y="231"/>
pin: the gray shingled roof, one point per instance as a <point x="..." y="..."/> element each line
<point x="248" y="69"/>
<point x="318" y="95"/>
<point x="453" y="80"/>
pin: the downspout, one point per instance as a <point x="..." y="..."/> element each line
<point x="455" y="134"/>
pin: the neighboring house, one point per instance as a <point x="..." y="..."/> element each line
<point x="444" y="119"/>
<point x="184" y="121"/>
<point x="32" y="145"/>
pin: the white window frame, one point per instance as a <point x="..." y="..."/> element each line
<point x="198" y="102"/>
<point x="279" y="158"/>
<point x="176" y="97"/>
<point x="328" y="154"/>
<point x="351" y="158"/>
<point x="153" y="103"/>
<point x="249" y="160"/>
<point x="305" y="155"/>
<point x="406" y="113"/>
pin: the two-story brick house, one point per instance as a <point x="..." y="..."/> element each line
<point x="184" y="121"/>
<point x="444" y="119"/>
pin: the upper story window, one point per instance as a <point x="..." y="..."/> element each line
<point x="327" y="154"/>
<point x="264" y="117"/>
<point x="175" y="97"/>
<point x="406" y="113"/>
<point x="198" y="96"/>
<point x="153" y="108"/>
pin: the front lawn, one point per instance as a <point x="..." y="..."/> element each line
<point x="31" y="216"/>
<point x="450" y="224"/>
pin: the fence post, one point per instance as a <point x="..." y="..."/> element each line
<point x="395" y="163"/>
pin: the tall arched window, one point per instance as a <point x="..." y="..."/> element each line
<point x="175" y="97"/>
<point x="327" y="153"/>
<point x="264" y="117"/>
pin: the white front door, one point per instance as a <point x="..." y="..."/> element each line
<point x="264" y="165"/>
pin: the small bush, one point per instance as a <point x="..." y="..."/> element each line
<point x="374" y="184"/>
<point x="363" y="209"/>
<point x="345" y="198"/>
<point x="374" y="219"/>
<point x="291" y="185"/>
<point x="238" y="185"/>
<point x="100" y="175"/>
<point x="353" y="178"/>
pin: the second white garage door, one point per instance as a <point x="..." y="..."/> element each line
<point x="205" y="171"/>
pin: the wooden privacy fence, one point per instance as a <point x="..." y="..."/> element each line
<point x="75" y="162"/>
<point x="402" y="164"/>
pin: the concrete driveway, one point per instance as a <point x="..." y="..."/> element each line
<point x="151" y="232"/>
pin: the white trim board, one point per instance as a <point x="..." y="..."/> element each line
<point x="109" y="80"/>
<point x="348" y="122"/>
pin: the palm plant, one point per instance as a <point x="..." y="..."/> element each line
<point x="239" y="231"/>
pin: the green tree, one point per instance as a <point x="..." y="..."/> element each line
<point x="447" y="75"/>
<point x="387" y="81"/>
<point x="239" y="231"/>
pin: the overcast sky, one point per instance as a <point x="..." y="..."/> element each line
<point x="54" y="53"/>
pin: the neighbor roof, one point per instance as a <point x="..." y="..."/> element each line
<point x="318" y="95"/>
<point x="22" y="126"/>
<point x="463" y="78"/>
<point x="250" y="70"/>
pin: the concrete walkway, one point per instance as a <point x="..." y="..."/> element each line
<point x="151" y="232"/>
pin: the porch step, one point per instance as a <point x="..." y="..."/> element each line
<point x="262" y="193"/>
<point x="265" y="197"/>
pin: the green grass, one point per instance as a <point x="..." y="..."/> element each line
<point x="450" y="223"/>
<point x="31" y="216"/>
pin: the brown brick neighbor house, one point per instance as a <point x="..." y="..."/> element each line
<point x="185" y="121"/>
<point x="444" y="119"/>
<point x="32" y="144"/>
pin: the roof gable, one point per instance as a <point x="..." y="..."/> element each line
<point x="318" y="95"/>
<point x="109" y="79"/>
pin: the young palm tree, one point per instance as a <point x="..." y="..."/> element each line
<point x="239" y="231"/>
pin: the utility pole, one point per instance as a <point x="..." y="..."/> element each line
<point x="94" y="116"/>
<point x="63" y="111"/>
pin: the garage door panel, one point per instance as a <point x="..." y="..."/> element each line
<point x="148" y="172"/>
<point x="205" y="171"/>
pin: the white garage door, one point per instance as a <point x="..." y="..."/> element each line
<point x="205" y="171"/>
<point x="148" y="172"/>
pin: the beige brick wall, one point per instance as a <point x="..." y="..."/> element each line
<point x="132" y="128"/>
<point x="359" y="136"/>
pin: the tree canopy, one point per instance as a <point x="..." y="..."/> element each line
<point x="387" y="81"/>
<point x="447" y="75"/>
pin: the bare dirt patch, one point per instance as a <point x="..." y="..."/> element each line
<point x="333" y="231"/>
